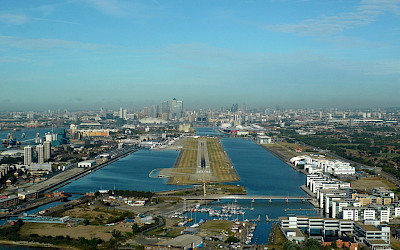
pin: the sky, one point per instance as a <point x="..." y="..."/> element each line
<point x="87" y="54"/>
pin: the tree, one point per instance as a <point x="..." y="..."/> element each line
<point x="291" y="245"/>
<point x="116" y="234"/>
<point x="232" y="239"/>
<point x="312" y="244"/>
<point x="135" y="228"/>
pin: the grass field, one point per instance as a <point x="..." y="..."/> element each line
<point x="213" y="227"/>
<point x="102" y="232"/>
<point x="372" y="182"/>
<point x="185" y="170"/>
<point x="278" y="238"/>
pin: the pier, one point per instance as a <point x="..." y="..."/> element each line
<point x="267" y="219"/>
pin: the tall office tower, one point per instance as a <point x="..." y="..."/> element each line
<point x="177" y="109"/>
<point x="165" y="107"/>
<point x="125" y="114"/>
<point x="121" y="113"/>
<point x="28" y="153"/>
<point x="154" y="111"/>
<point x="47" y="150"/>
<point x="235" y="108"/>
<point x="40" y="153"/>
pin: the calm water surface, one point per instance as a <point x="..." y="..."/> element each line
<point x="129" y="173"/>
<point x="260" y="172"/>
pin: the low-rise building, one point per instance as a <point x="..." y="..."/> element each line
<point x="375" y="235"/>
<point x="28" y="195"/>
<point x="263" y="139"/>
<point x="8" y="201"/>
<point x="86" y="164"/>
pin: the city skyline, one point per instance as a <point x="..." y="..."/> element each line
<point x="91" y="54"/>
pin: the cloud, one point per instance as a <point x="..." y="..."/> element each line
<point x="138" y="10"/>
<point x="45" y="44"/>
<point x="14" y="19"/>
<point x="367" y="12"/>
<point x="201" y="57"/>
<point x="55" y="21"/>
<point x="110" y="7"/>
<point x="45" y="9"/>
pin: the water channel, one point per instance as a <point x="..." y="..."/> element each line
<point x="260" y="172"/>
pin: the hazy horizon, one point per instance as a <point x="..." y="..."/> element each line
<point x="87" y="54"/>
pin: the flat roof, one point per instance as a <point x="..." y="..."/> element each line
<point x="378" y="242"/>
<point x="296" y="230"/>
<point x="367" y="227"/>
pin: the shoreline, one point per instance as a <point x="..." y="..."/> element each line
<point x="282" y="158"/>
<point x="302" y="187"/>
<point x="42" y="187"/>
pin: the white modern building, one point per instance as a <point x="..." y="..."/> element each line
<point x="28" y="155"/>
<point x="314" y="165"/>
<point x="40" y="153"/>
<point x="375" y="236"/>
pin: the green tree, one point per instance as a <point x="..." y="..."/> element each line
<point x="291" y="245"/>
<point x="116" y="234"/>
<point x="312" y="244"/>
<point x="232" y="239"/>
<point x="135" y="228"/>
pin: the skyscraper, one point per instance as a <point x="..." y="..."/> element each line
<point x="165" y="107"/>
<point x="47" y="150"/>
<point x="40" y="153"/>
<point x="28" y="152"/>
<point x="177" y="109"/>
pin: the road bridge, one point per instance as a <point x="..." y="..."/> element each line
<point x="245" y="197"/>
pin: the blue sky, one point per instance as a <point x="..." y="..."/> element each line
<point x="86" y="54"/>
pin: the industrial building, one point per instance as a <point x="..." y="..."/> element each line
<point x="263" y="139"/>
<point x="86" y="164"/>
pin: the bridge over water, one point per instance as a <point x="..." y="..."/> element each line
<point x="245" y="197"/>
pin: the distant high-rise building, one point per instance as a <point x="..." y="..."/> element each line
<point x="235" y="108"/>
<point x="177" y="109"/>
<point x="154" y="111"/>
<point x="124" y="114"/>
<point x="121" y="112"/>
<point x="47" y="150"/>
<point x="40" y="153"/>
<point x="28" y="153"/>
<point x="165" y="107"/>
